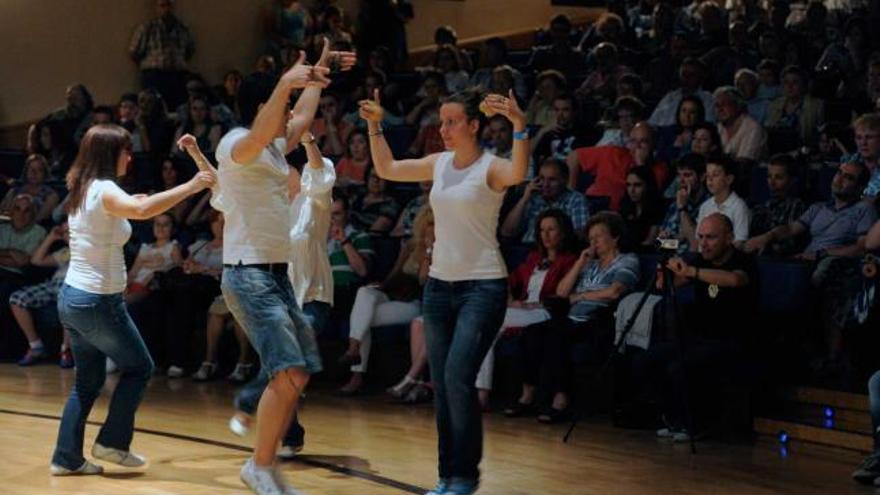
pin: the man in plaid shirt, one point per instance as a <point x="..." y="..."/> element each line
<point x="161" y="48"/>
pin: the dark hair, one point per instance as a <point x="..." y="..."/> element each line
<point x="711" y="129"/>
<point x="796" y="70"/>
<point x="560" y="165"/>
<point x="445" y="34"/>
<point x="353" y="133"/>
<point x="632" y="104"/>
<point x="470" y="99"/>
<point x="692" y="161"/>
<point x="611" y="220"/>
<point x="694" y="62"/>
<point x="723" y="161"/>
<point x="339" y="195"/>
<point x="554" y="74"/>
<point x="129" y="97"/>
<point x="569" y="239"/>
<point x="255" y="90"/>
<point x="783" y="160"/>
<point x="170" y="217"/>
<point x="98" y="154"/>
<point x="696" y="101"/>
<point x="90" y="101"/>
<point x="561" y="19"/>
<point x="633" y="80"/>
<point x="650" y="197"/>
<point x="437" y="77"/>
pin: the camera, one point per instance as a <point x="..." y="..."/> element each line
<point x="667" y="246"/>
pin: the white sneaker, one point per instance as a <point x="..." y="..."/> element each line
<point x="665" y="433"/>
<point x="289" y="451"/>
<point x="116" y="456"/>
<point x="86" y="469"/>
<point x="240" y="374"/>
<point x="282" y="483"/>
<point x="175" y="372"/>
<point x="206" y="371"/>
<point x="260" y="480"/>
<point x="238" y="427"/>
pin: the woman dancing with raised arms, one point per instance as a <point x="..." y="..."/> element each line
<point x="91" y="306"/>
<point x="466" y="293"/>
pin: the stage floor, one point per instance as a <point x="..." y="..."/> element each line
<point x="369" y="446"/>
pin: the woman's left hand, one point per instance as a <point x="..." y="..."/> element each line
<point x="507" y="106"/>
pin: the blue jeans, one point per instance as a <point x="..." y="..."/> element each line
<point x="100" y="327"/>
<point x="264" y="305"/>
<point x="317" y="314"/>
<point x="461" y="322"/>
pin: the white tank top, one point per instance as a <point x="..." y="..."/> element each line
<point x="96" y="239"/>
<point x="465" y="222"/>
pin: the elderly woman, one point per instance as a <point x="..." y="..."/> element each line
<point x="795" y="111"/>
<point x="33" y="183"/>
<point x="600" y="277"/>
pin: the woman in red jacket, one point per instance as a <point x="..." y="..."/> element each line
<point x="534" y="280"/>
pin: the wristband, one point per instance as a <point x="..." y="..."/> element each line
<point x="521" y="135"/>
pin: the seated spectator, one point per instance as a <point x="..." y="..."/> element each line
<point x="332" y="27"/>
<point x="548" y="85"/>
<point x="560" y="55"/>
<point x="103" y="114"/>
<point x="160" y="129"/>
<point x="159" y="256"/>
<point x="768" y="74"/>
<point x="552" y="194"/>
<point x="406" y="221"/>
<point x="69" y="123"/>
<point x="18" y="239"/>
<point x="691" y="75"/>
<point x="495" y="55"/>
<point x="717" y="338"/>
<point x="641" y="209"/>
<point x="600" y="86"/>
<point x="374" y="211"/>
<point x="782" y="208"/>
<point x="720" y="176"/>
<point x="43" y="297"/>
<point x="795" y="113"/>
<point x="675" y="141"/>
<point x="218" y="318"/>
<point x="130" y="117"/>
<point x="534" y="280"/>
<point x="837" y="231"/>
<point x="706" y="141"/>
<point x="394" y="301"/>
<point x="170" y="176"/>
<point x="351" y="169"/>
<point x="567" y="132"/>
<point x="867" y="137"/>
<point x="378" y="81"/>
<point x="227" y="93"/>
<point x="500" y="132"/>
<point x="330" y="129"/>
<point x="610" y="164"/>
<point x="625" y="113"/>
<point x="426" y="115"/>
<point x="747" y="82"/>
<point x="681" y="216"/>
<point x="599" y="278"/>
<point x="741" y="135"/>
<point x="189" y="291"/>
<point x="504" y="81"/>
<point x="199" y="124"/>
<point x="43" y="142"/>
<point x="447" y="60"/>
<point x="33" y="184"/>
<point x="350" y="254"/>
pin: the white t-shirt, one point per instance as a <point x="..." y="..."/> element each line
<point x="536" y="282"/>
<point x="733" y="208"/>
<point x="465" y="221"/>
<point x="154" y="259"/>
<point x="254" y="199"/>
<point x="97" y="264"/>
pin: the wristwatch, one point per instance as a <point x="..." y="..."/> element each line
<point x="309" y="138"/>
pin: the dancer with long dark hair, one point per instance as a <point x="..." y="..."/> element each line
<point x="91" y="306"/>
<point x="466" y="294"/>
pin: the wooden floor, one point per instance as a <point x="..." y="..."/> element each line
<point x="368" y="446"/>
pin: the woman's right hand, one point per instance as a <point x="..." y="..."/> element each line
<point x="371" y="110"/>
<point x="586" y="255"/>
<point x="202" y="180"/>
<point x="188" y="143"/>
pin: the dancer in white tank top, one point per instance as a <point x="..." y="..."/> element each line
<point x="466" y="293"/>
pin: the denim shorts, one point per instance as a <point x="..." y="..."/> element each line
<point x="264" y="305"/>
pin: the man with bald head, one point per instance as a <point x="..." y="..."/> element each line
<point x="717" y="335"/>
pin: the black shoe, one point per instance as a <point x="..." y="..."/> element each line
<point x="520" y="410"/>
<point x="551" y="415"/>
<point x="868" y="470"/>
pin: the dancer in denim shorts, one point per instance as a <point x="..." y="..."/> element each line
<point x="466" y="294"/>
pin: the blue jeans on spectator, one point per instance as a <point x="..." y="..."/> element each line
<point x="316" y="313"/>
<point x="461" y="322"/>
<point x="874" y="399"/>
<point x="100" y="327"/>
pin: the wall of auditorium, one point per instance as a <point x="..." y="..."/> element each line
<point x="48" y="44"/>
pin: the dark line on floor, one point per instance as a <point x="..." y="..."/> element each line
<point x="304" y="459"/>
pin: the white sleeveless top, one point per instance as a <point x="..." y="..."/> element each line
<point x="97" y="264"/>
<point x="253" y="197"/>
<point x="465" y="222"/>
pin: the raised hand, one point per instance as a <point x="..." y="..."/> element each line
<point x="335" y="60"/>
<point x="302" y="74"/>
<point x="187" y="143"/>
<point x="371" y="110"/>
<point x="506" y="106"/>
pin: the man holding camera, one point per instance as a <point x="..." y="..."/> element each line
<point x="552" y="193"/>
<point x="716" y="336"/>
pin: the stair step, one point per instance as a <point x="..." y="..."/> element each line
<point x="833" y="398"/>
<point x="815" y="434"/>
<point x="814" y="415"/>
